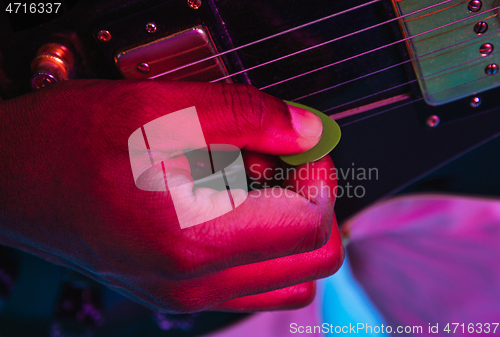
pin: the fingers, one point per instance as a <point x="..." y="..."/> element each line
<point x="293" y="297"/>
<point x="256" y="278"/>
<point x="254" y="231"/>
<point x="315" y="181"/>
<point x="263" y="169"/>
<point x="234" y="114"/>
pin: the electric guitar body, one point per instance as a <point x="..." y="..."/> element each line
<point x="410" y="94"/>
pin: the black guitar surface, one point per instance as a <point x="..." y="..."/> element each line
<point x="393" y="139"/>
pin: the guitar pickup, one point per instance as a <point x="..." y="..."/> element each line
<point x="452" y="48"/>
<point x="157" y="58"/>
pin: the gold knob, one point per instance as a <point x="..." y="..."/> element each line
<point x="52" y="63"/>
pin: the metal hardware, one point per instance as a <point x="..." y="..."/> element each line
<point x="41" y="80"/>
<point x="52" y="64"/>
<point x="170" y="52"/>
<point x="481" y="27"/>
<point x="150" y="27"/>
<point x="143" y="68"/>
<point x="194" y="4"/>
<point x="475" y="6"/>
<point x="486" y="49"/>
<point x="443" y="89"/>
<point x="103" y="35"/>
<point x="475" y="102"/>
<point x="491" y="69"/>
<point x="433" y="121"/>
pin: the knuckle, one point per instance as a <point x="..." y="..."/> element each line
<point x="247" y="103"/>
<point x="313" y="240"/>
<point x="245" y="92"/>
<point x="322" y="232"/>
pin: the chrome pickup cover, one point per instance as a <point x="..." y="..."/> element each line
<point x="153" y="59"/>
<point x="447" y="60"/>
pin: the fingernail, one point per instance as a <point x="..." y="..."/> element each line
<point x="307" y="124"/>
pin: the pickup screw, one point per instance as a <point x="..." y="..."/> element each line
<point x="194" y="4"/>
<point x="433" y="121"/>
<point x="481" y="27"/>
<point x="103" y="35"/>
<point x="475" y="102"/>
<point x="150" y="27"/>
<point x="475" y="6"/>
<point x="486" y="49"/>
<point x="143" y="68"/>
<point x="491" y="69"/>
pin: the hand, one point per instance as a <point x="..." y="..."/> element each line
<point x="67" y="194"/>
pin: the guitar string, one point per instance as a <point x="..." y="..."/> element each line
<point x="268" y="37"/>
<point x="413" y="81"/>
<point x="328" y="42"/>
<point x="380" y="112"/>
<point x="328" y="17"/>
<point x="405" y="103"/>
<point x="481" y="37"/>
<point x="372" y="50"/>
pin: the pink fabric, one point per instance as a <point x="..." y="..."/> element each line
<point x="430" y="259"/>
<point x="275" y="323"/>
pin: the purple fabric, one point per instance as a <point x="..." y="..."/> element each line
<point x="430" y="259"/>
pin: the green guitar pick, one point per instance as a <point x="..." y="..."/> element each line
<point x="329" y="139"/>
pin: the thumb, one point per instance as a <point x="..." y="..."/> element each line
<point x="255" y="121"/>
<point x="235" y="114"/>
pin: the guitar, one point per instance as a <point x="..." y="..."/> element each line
<point x="412" y="83"/>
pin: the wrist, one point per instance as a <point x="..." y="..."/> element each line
<point x="14" y="177"/>
<point x="29" y="165"/>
